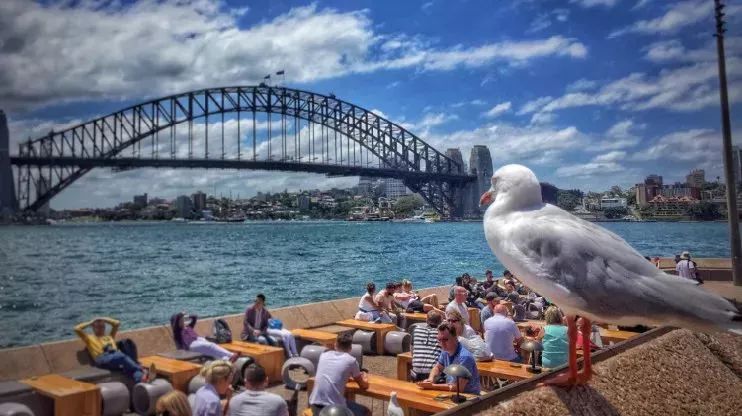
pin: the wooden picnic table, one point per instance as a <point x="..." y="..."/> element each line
<point x="610" y="336"/>
<point x="326" y="339"/>
<point x="411" y="397"/>
<point x="178" y="372"/>
<point x="71" y="397"/>
<point x="380" y="329"/>
<point x="495" y="368"/>
<point x="270" y="358"/>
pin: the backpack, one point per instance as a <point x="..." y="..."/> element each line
<point x="222" y="333"/>
<point x="696" y="275"/>
<point x="129" y="348"/>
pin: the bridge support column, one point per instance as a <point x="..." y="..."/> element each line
<point x="8" y="202"/>
<point x="480" y="165"/>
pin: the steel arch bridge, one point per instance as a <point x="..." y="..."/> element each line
<point x="299" y="131"/>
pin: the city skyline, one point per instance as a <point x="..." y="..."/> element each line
<point x="585" y="105"/>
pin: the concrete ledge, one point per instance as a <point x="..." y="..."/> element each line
<point x="291" y="317"/>
<point x="346" y="307"/>
<point x="17" y="363"/>
<point x="320" y="313"/>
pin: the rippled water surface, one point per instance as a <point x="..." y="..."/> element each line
<point x="53" y="277"/>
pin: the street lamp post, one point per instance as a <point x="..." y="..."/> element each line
<point x="732" y="215"/>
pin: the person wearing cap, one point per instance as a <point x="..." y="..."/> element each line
<point x="686" y="268"/>
<point x="488" y="310"/>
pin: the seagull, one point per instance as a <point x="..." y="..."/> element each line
<point x="588" y="270"/>
<point x="394" y="409"/>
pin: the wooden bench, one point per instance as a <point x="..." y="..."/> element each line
<point x="71" y="397"/>
<point x="610" y="336"/>
<point x="475" y="321"/>
<point x="410" y="396"/>
<point x="495" y="368"/>
<point x="326" y="339"/>
<point x="270" y="358"/>
<point x="380" y="329"/>
<point x="178" y="372"/>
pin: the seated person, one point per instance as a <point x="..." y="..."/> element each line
<point x="218" y="375"/>
<point x="368" y="309"/>
<point x="489" y="281"/>
<point x="103" y="350"/>
<point x="255" y="401"/>
<point x="452" y="352"/>
<point x="554" y="339"/>
<point x="487" y="311"/>
<point x="385" y="300"/>
<point x="593" y="346"/>
<point x="255" y="325"/>
<point x="334" y="369"/>
<point x="425" y="348"/>
<point x="186" y="338"/>
<point x="468" y="337"/>
<point x="501" y="335"/>
<point x="459" y="281"/>
<point x="459" y="304"/>
<point x="411" y="301"/>
<point x="174" y="403"/>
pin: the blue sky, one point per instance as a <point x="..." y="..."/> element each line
<point x="588" y="93"/>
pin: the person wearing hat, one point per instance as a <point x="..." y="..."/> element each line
<point x="488" y="310"/>
<point x="686" y="268"/>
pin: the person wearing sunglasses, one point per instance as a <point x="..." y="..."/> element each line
<point x="452" y="352"/>
<point x="468" y="337"/>
<point x="174" y="403"/>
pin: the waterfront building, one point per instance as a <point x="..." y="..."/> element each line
<point x="365" y="184"/>
<point x="199" y="201"/>
<point x="394" y="188"/>
<point x="646" y="191"/>
<point x="183" y="206"/>
<point x="140" y="201"/>
<point x="612" y="202"/>
<point x="696" y="178"/>
<point x="737" y="163"/>
<point x="303" y="202"/>
<point x="674" y="206"/>
<point x="679" y="190"/>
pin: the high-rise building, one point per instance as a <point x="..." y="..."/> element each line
<point x="365" y="184"/>
<point x="696" y="178"/>
<point x="394" y="188"/>
<point x="303" y="202"/>
<point x="199" y="201"/>
<point x="183" y="206"/>
<point x="737" y="164"/>
<point x="140" y="201"/>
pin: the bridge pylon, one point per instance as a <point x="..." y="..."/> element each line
<point x="8" y="202"/>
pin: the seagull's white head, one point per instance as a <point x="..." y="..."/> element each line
<point x="513" y="187"/>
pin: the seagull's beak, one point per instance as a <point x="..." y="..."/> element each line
<point x="486" y="198"/>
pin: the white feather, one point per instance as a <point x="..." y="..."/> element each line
<point x="394" y="409"/>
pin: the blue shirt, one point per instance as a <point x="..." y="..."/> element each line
<point x="207" y="402"/>
<point x="462" y="357"/>
<point x="499" y="334"/>
<point x="556" y="345"/>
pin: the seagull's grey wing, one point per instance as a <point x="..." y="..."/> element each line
<point x="597" y="272"/>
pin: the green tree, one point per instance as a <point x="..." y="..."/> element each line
<point x="569" y="199"/>
<point x="704" y="211"/>
<point x="616" y="212"/>
<point x="407" y="205"/>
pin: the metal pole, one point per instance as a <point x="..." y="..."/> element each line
<point x="733" y="216"/>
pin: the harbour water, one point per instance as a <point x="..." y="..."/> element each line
<point x="52" y="277"/>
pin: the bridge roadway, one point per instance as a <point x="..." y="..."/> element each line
<point x="290" y="166"/>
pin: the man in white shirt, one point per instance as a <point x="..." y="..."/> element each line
<point x="686" y="268"/>
<point x="500" y="332"/>
<point x="334" y="369"/>
<point x="459" y="303"/>
<point x="255" y="401"/>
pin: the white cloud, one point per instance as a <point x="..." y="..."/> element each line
<point x="678" y="16"/>
<point x="683" y="89"/>
<point x="594" y="3"/>
<point x="612" y="156"/>
<point x="621" y="135"/>
<point x="543" y="118"/>
<point x="56" y="52"/>
<point x="545" y="20"/>
<point x="499" y="109"/>
<point x="582" y="84"/>
<point x="674" y="51"/>
<point x="589" y="169"/>
<point x="533" y="145"/>
<point x="700" y="145"/>
<point x="465" y="103"/>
